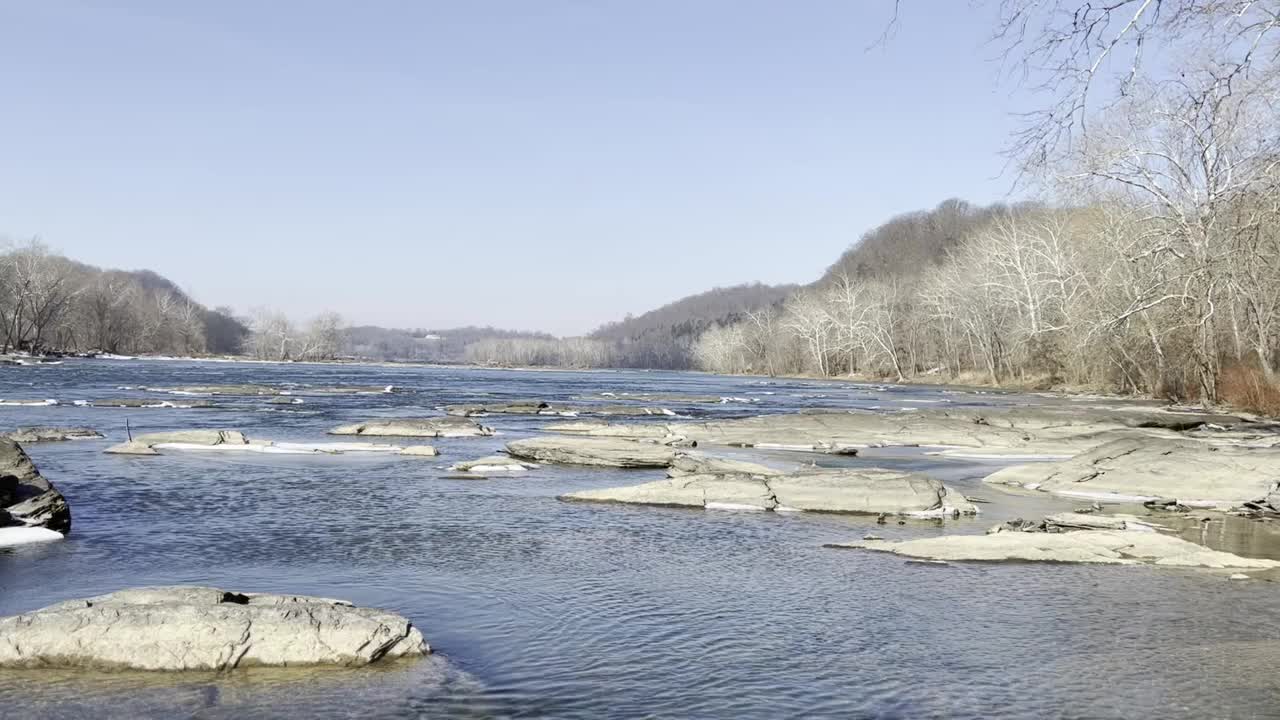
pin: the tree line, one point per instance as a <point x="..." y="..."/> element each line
<point x="51" y="303"/>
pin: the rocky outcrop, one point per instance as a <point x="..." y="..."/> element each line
<point x="674" y="398"/>
<point x="145" y="444"/>
<point x="995" y="433"/>
<point x="236" y="441"/>
<point x="30" y="506"/>
<point x="492" y="464"/>
<point x="435" y="427"/>
<point x="420" y="451"/>
<point x="1110" y="547"/>
<point x="51" y="434"/>
<point x="601" y="452"/>
<point x="870" y="491"/>
<point x="535" y="407"/>
<point x="1196" y="474"/>
<point x="197" y="628"/>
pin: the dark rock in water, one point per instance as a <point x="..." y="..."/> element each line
<point x="26" y="498"/>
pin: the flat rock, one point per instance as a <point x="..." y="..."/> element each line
<point x="862" y="491"/>
<point x="420" y="451"/>
<point x="1110" y="547"/>
<point x="997" y="433"/>
<point x="28" y="502"/>
<point x="676" y="398"/>
<point x="534" y="407"/>
<point x="241" y="389"/>
<point x="197" y="628"/>
<point x="434" y="427"/>
<point x="604" y="452"/>
<point x="151" y="404"/>
<point x="1140" y="469"/>
<point x="51" y="434"/>
<point x="236" y="441"/>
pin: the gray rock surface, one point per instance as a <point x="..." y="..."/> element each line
<point x="536" y="407"/>
<point x="604" y="452"/>
<point x="27" y="499"/>
<point x="51" y="434"/>
<point x="700" y="464"/>
<point x="420" y="451"/>
<point x="236" y="441"/>
<point x="863" y="491"/>
<point x="145" y="444"/>
<point x="1194" y="473"/>
<point x="433" y="427"/>
<point x="195" y="628"/>
<point x="1018" y="432"/>
<point x="1111" y="547"/>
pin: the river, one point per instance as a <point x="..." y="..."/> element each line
<point x="541" y="608"/>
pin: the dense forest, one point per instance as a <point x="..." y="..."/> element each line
<point x="51" y="303"/>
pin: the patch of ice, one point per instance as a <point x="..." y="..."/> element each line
<point x="733" y="506"/>
<point x="23" y="535"/>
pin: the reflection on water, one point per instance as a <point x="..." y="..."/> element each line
<point x="539" y="608"/>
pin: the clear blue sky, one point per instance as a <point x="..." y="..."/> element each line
<point x="548" y="164"/>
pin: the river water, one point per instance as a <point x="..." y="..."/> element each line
<point x="540" y="608"/>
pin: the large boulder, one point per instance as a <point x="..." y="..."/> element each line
<point x="603" y="452"/>
<point x="435" y="427"/>
<point x="1137" y="470"/>
<point x="200" y="628"/>
<point x="865" y="491"/>
<point x="1110" y="547"/>
<point x="28" y="502"/>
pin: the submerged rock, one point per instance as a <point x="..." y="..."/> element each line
<point x="436" y="427"/>
<point x="197" y="628"/>
<point x="1111" y="547"/>
<point x="51" y="434"/>
<point x="1138" y="470"/>
<point x="138" y="403"/>
<point x="31" y="508"/>
<point x="604" y="452"/>
<point x="240" y="389"/>
<point x="866" y="491"/>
